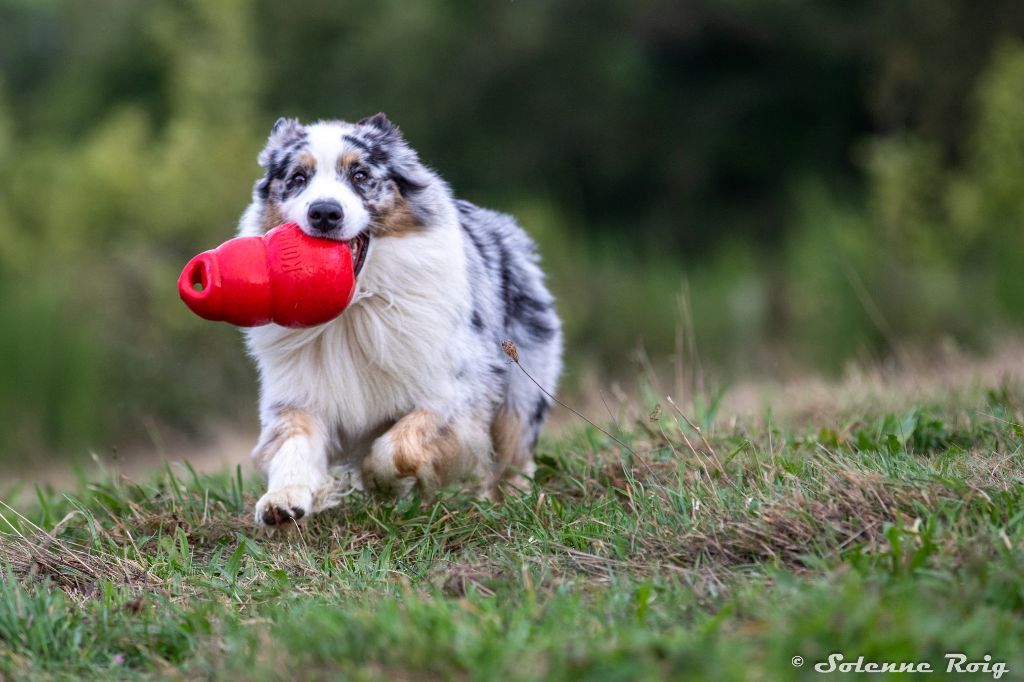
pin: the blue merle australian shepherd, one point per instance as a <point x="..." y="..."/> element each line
<point x="409" y="387"/>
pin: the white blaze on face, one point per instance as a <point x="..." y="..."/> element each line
<point x="326" y="145"/>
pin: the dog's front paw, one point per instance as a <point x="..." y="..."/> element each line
<point x="380" y="474"/>
<point x="290" y="503"/>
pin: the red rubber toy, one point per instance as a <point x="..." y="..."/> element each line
<point x="285" y="277"/>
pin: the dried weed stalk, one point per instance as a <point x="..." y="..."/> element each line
<point x="509" y="347"/>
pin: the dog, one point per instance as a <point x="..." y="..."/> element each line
<point x="409" y="388"/>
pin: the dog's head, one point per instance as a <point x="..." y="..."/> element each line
<point x="342" y="181"/>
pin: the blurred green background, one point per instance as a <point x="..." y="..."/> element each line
<point x="782" y="185"/>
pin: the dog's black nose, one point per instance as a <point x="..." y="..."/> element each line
<point x="325" y="215"/>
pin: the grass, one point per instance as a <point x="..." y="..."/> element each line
<point x="717" y="555"/>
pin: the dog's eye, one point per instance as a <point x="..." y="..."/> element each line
<point x="298" y="179"/>
<point x="360" y="176"/>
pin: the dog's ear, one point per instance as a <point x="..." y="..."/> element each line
<point x="403" y="164"/>
<point x="410" y="176"/>
<point x="381" y="122"/>
<point x="282" y="123"/>
<point x="284" y="132"/>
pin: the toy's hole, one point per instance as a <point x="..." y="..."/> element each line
<point x="198" y="277"/>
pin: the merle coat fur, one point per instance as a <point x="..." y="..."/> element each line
<point x="409" y="387"/>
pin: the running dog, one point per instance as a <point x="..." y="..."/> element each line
<point x="409" y="387"/>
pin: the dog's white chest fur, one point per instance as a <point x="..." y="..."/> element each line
<point x="396" y="347"/>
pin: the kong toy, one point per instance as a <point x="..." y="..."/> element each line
<point x="285" y="277"/>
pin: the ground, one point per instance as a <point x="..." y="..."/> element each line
<point x="885" y="520"/>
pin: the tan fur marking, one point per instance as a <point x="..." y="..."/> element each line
<point x="347" y="160"/>
<point x="397" y="220"/>
<point x="271" y="218"/>
<point x="290" y="422"/>
<point x="512" y="455"/>
<point x="507" y="436"/>
<point x="420" y="441"/>
<point x="442" y="465"/>
<point x="306" y="160"/>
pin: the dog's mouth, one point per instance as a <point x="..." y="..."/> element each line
<point x="359" y="245"/>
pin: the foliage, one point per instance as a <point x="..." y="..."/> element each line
<point x="938" y="248"/>
<point x="783" y="184"/>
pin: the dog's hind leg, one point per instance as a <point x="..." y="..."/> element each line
<point x="515" y="431"/>
<point x="426" y="451"/>
<point x="513" y="449"/>
<point x="292" y="452"/>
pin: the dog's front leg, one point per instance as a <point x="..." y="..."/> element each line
<point x="292" y="452"/>
<point x="425" y="451"/>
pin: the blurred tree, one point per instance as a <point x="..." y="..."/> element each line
<point x="820" y="171"/>
<point x="102" y="221"/>
<point x="682" y="120"/>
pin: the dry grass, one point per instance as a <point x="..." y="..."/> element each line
<point x="35" y="556"/>
<point x="701" y="520"/>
